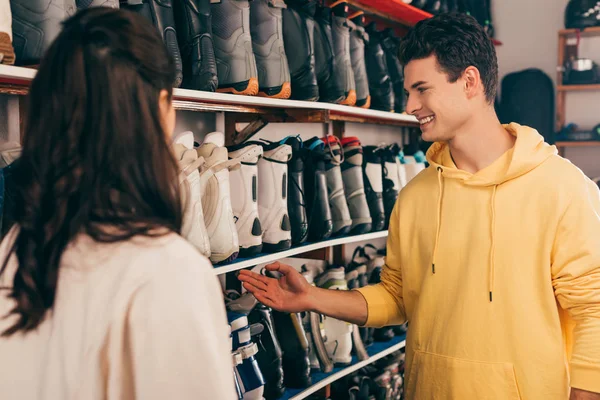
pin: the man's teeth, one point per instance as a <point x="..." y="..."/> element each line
<point x="426" y="120"/>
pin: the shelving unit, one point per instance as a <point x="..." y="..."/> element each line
<point x="376" y="351"/>
<point x="297" y="251"/>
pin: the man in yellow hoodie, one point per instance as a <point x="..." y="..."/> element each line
<point x="493" y="254"/>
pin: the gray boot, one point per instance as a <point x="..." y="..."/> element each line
<point x="358" y="38"/>
<point x="36" y="23"/>
<point x="341" y="44"/>
<point x="236" y="65"/>
<point x="354" y="186"/>
<point x="267" y="42"/>
<point x="342" y="220"/>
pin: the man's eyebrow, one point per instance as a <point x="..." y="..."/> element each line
<point x="417" y="84"/>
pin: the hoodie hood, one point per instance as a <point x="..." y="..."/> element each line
<point x="529" y="151"/>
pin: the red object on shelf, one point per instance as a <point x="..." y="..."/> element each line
<point x="395" y="9"/>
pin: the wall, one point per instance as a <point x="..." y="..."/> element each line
<point x="529" y="32"/>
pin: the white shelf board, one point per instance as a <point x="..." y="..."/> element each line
<point x="9" y="73"/>
<point x="297" y="250"/>
<point x="334" y="377"/>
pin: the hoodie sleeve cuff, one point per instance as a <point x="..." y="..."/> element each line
<point x="380" y="307"/>
<point x="585" y="376"/>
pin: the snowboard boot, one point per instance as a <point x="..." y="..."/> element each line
<point x="358" y="38"/>
<point x="331" y="85"/>
<point x="251" y="380"/>
<point x="372" y="175"/>
<point x="358" y="265"/>
<point x="391" y="183"/>
<point x="245" y="204"/>
<point x="82" y="4"/>
<point x="354" y="187"/>
<point x="269" y="355"/>
<point x="419" y="3"/>
<point x="435" y="7"/>
<point x="320" y="221"/>
<point x="269" y="51"/>
<point x="334" y="156"/>
<point x="296" y="363"/>
<point x="236" y="65"/>
<point x="272" y="197"/>
<point x="339" y="333"/>
<point x="194" y="33"/>
<point x="193" y="228"/>
<point x="160" y="12"/>
<point x="298" y="37"/>
<point x="453" y="6"/>
<point x="390" y="44"/>
<point x="380" y="84"/>
<point x="296" y="191"/>
<point x="341" y="45"/>
<point x="35" y="25"/>
<point x="216" y="199"/>
<point x="7" y="53"/>
<point x="309" y="275"/>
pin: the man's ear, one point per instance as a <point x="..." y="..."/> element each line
<point x="472" y="82"/>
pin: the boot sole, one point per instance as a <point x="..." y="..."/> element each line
<point x="7" y="53"/>
<point x="216" y="259"/>
<point x="350" y="99"/>
<point x="250" y="251"/>
<point x="343" y="231"/>
<point x="361" y="229"/>
<point x="275" y="247"/>
<point x="246" y="88"/>
<point x="280" y="92"/>
<point x="364" y="103"/>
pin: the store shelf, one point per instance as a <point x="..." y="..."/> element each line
<point x="304" y="248"/>
<point x="589" y="143"/>
<point x="16" y="80"/>
<point x="594" y="31"/>
<point x="578" y="88"/>
<point x="320" y="380"/>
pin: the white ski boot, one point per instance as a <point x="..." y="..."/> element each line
<point x="193" y="228"/>
<point x="216" y="199"/>
<point x="244" y="182"/>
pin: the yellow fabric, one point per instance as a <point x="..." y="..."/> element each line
<point x="498" y="275"/>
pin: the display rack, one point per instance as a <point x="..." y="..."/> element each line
<point x="568" y="48"/>
<point x="319" y="380"/>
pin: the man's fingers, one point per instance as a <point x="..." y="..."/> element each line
<point x="253" y="289"/>
<point x="245" y="275"/>
<point x="260" y="296"/>
<point x="282" y="268"/>
<point x="254" y="281"/>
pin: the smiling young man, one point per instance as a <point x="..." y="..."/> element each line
<point x="493" y="255"/>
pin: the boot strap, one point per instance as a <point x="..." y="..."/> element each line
<point x="185" y="172"/>
<point x="248" y="350"/>
<point x="237" y="358"/>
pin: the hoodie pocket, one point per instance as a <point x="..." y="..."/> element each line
<point x="435" y="377"/>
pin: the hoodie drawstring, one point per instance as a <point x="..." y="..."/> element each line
<point x="492" y="247"/>
<point x="439" y="217"/>
<point x="492" y="230"/>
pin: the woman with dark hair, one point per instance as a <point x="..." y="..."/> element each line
<point x="100" y="298"/>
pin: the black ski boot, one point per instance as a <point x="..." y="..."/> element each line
<point x="299" y="41"/>
<point x="390" y="44"/>
<point x="320" y="221"/>
<point x="296" y="191"/>
<point x="269" y="355"/>
<point x="160" y="12"/>
<point x="380" y="84"/>
<point x="331" y="86"/>
<point x="194" y="33"/>
<point x="296" y="364"/>
<point x="358" y="38"/>
<point x="35" y="25"/>
<point x="372" y="172"/>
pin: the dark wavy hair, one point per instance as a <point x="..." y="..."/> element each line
<point x="95" y="155"/>
<point x="458" y="41"/>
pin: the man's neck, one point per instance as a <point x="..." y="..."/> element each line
<point x="481" y="141"/>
